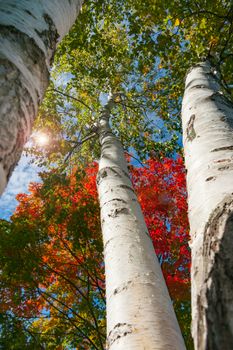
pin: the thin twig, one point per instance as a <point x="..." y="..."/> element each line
<point x="90" y="136"/>
<point x="72" y="97"/>
<point x="130" y="154"/>
<point x="69" y="319"/>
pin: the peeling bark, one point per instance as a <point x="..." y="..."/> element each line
<point x="191" y="134"/>
<point x="29" y="32"/>
<point x="209" y="161"/>
<point x="140" y="315"/>
<point x="218" y="288"/>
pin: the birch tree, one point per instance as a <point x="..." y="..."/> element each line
<point x="208" y="124"/>
<point x="30" y="31"/>
<point x="139" y="310"/>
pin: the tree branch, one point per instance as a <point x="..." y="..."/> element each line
<point x="72" y="97"/>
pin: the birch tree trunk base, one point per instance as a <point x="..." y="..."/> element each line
<point x="208" y="142"/>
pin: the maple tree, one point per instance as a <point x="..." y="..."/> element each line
<point x="162" y="194"/>
<point x="54" y="247"/>
<point x="59" y="260"/>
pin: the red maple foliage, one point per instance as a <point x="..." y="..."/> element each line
<point x="56" y="249"/>
<point x="161" y="190"/>
<point x="162" y="194"/>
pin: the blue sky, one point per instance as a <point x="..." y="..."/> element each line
<point x="23" y="174"/>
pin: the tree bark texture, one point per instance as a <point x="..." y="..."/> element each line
<point x="140" y="314"/>
<point x="29" y="32"/>
<point x="208" y="142"/>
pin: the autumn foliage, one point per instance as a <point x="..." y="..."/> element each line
<point x="52" y="279"/>
<point x="162" y="195"/>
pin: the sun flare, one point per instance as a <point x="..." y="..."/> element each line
<point x="41" y="139"/>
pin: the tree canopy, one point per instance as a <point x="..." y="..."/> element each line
<point x="142" y="52"/>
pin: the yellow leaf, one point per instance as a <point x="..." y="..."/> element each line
<point x="153" y="97"/>
<point x="177" y="22"/>
<point x="117" y="99"/>
<point x="145" y="70"/>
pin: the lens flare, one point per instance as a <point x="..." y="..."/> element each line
<point x="41" y="139"/>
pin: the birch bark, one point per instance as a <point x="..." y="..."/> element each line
<point x="29" y="33"/>
<point x="208" y="143"/>
<point x="139" y="310"/>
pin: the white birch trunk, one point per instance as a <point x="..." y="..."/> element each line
<point x="29" y="32"/>
<point x="140" y="314"/>
<point x="208" y="142"/>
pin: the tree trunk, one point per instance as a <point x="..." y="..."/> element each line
<point x="208" y="142"/>
<point x="139" y="310"/>
<point x="29" y="31"/>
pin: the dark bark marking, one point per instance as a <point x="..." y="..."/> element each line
<point x="49" y="36"/>
<point x="226" y="118"/>
<point x="104" y="134"/>
<point x="29" y="13"/>
<point x="108" y="171"/>
<point x="104" y="174"/>
<point x="101" y="175"/>
<point x="199" y="86"/>
<point x="224" y="167"/>
<point x="115" y="200"/>
<point x="187" y="86"/>
<point x="123" y="288"/>
<point x="211" y="178"/>
<point x="107" y="243"/>
<point x="108" y="142"/>
<point x="120" y="330"/>
<point x="223" y="160"/>
<point x="191" y="134"/>
<point x="224" y="148"/>
<point x="104" y="147"/>
<point x="116" y="212"/>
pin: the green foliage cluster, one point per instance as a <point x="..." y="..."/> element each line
<point x="141" y="50"/>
